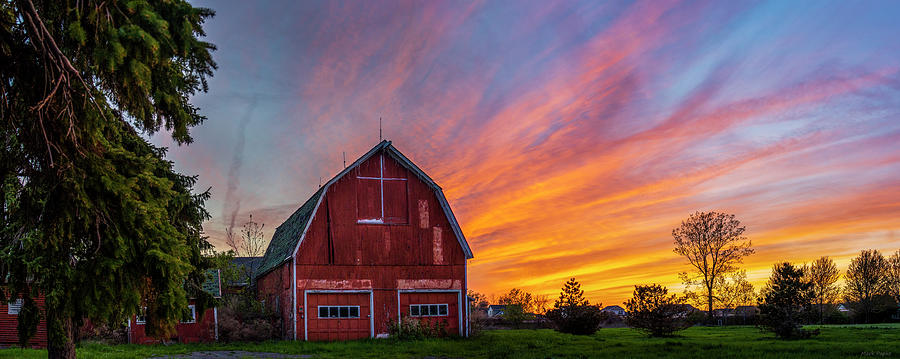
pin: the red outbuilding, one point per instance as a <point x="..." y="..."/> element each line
<point x="200" y="328"/>
<point x="376" y="243"/>
<point x="9" y="321"/>
<point x="196" y="328"/>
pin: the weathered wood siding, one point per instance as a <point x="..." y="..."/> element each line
<point x="9" y="332"/>
<point x="275" y="289"/>
<point x="204" y="330"/>
<point x="416" y="249"/>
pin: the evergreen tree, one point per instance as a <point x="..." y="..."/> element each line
<point x="786" y="300"/>
<point x="94" y="217"/>
<point x="572" y="313"/>
<point x="571" y="295"/>
<point x="653" y="311"/>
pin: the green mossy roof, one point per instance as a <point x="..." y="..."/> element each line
<point x="287" y="234"/>
<point x="213" y="283"/>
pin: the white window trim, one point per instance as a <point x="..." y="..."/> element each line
<point x="381" y="180"/>
<point x="14" y="307"/>
<point x="193" y="315"/>
<point x="430" y="315"/>
<point x="137" y="318"/>
<point x="319" y="311"/>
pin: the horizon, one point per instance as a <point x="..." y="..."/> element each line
<point x="569" y="140"/>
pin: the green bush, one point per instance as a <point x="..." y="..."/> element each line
<point x="243" y="318"/>
<point x="576" y="319"/>
<point x="656" y="313"/>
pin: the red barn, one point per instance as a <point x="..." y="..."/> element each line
<point x="198" y="328"/>
<point x="376" y="242"/>
<point x="202" y="328"/>
<point x="9" y="321"/>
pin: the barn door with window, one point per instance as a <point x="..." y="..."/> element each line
<point x="338" y="316"/>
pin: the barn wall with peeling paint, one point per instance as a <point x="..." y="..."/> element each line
<point x="412" y="253"/>
<point x="379" y="232"/>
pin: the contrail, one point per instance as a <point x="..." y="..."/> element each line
<point x="232" y="205"/>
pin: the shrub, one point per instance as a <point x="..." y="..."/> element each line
<point x="414" y="329"/>
<point x="836" y="317"/>
<point x="242" y="318"/>
<point x="103" y="333"/>
<point x="786" y="301"/>
<point x="577" y="319"/>
<point x="477" y="323"/>
<point x="656" y="313"/>
<point x="514" y="314"/>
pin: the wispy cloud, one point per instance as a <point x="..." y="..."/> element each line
<point x="572" y="137"/>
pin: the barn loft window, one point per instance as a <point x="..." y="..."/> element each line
<point x="427" y="310"/>
<point x="382" y="194"/>
<point x="338" y="311"/>
<point x="15" y="307"/>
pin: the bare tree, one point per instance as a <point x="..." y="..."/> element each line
<point x="542" y="303"/>
<point x="867" y="279"/>
<point x="233" y="242"/>
<point x="735" y="291"/>
<point x="253" y="241"/>
<point x="479" y="300"/>
<point x="713" y="244"/>
<point x="894" y="275"/>
<point x="823" y="275"/>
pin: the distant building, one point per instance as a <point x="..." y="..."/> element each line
<point x="246" y="267"/>
<point x="723" y="312"/>
<point x="200" y="327"/>
<point x="495" y="310"/>
<point x="614" y="310"/>
<point x="687" y="309"/>
<point x="745" y="311"/>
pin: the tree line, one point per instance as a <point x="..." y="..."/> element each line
<point x="714" y="245"/>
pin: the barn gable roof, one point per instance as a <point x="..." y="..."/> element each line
<point x="286" y="235"/>
<point x="289" y="235"/>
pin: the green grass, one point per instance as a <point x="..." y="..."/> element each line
<point x="699" y="342"/>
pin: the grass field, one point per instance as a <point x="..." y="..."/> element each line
<point x="882" y="341"/>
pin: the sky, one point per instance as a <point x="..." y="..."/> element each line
<point x="569" y="137"/>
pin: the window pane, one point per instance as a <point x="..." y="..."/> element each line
<point x="414" y="310"/>
<point x="368" y="199"/>
<point x="14" y="307"/>
<point x="434" y="309"/>
<point x="345" y="312"/>
<point x="354" y="312"/>
<point x="396" y="202"/>
<point x="443" y="309"/>
<point x="323" y="312"/>
<point x="333" y="312"/>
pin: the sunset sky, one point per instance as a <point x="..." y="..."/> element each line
<point x="570" y="138"/>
